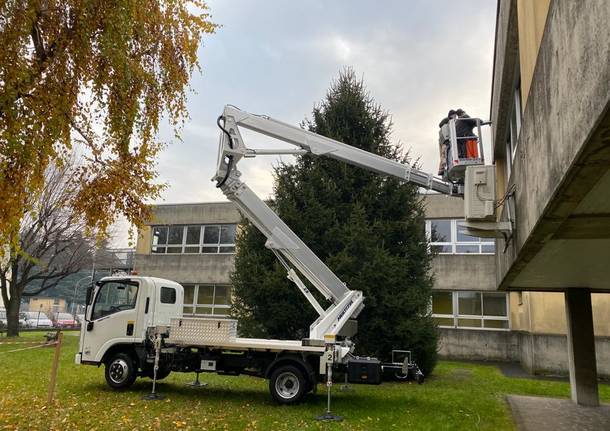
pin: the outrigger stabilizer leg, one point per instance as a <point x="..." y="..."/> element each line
<point x="154" y="395"/>
<point x="197" y="383"/>
<point x="329" y="416"/>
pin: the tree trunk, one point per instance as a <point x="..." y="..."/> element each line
<point x="12" y="317"/>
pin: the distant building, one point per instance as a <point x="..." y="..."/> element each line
<point x="193" y="244"/>
<point x="49" y="306"/>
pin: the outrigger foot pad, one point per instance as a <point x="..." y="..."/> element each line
<point x="196" y="384"/>
<point x="329" y="417"/>
<point x="153" y="396"/>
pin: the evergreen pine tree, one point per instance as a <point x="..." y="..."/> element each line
<point x="368" y="228"/>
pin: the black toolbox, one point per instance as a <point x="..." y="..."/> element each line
<point x="364" y="370"/>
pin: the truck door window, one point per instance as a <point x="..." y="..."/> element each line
<point x="168" y="295"/>
<point x="115" y="296"/>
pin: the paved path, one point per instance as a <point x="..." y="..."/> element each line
<point x="514" y="369"/>
<point x="556" y="414"/>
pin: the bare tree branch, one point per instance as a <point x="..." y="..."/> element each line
<point x="52" y="243"/>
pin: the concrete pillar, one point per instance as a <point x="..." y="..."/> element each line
<point x="581" y="347"/>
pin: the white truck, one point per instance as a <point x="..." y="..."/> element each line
<point x="135" y="324"/>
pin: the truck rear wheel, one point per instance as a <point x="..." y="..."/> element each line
<point x="288" y="384"/>
<point x="120" y="371"/>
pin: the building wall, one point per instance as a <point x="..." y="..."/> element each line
<point x="186" y="268"/>
<point x="544" y="354"/>
<point x="567" y="96"/>
<point x="531" y="18"/>
<point x="49" y="306"/>
<point x="470" y="344"/>
<point x="544" y="313"/>
<point x="536" y="337"/>
<point x="548" y="354"/>
<point x="464" y="272"/>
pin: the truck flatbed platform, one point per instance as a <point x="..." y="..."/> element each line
<point x="258" y="344"/>
<point x="221" y="333"/>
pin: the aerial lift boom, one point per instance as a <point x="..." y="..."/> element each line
<point x="287" y="246"/>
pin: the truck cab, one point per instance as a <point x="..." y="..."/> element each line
<point x="121" y="309"/>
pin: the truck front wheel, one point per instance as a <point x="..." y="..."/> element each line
<point x="287" y="384"/>
<point x="121" y="371"/>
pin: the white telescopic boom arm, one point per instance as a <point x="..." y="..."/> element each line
<point x="286" y="245"/>
<point x="322" y="146"/>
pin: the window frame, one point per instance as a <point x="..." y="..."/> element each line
<point x="184" y="245"/>
<point x="514" y="120"/>
<point x="456" y="316"/>
<point x="194" y="305"/>
<point x="454" y="243"/>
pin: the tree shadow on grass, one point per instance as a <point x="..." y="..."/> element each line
<point x="181" y="390"/>
<point x="364" y="400"/>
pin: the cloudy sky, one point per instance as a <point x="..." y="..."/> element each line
<point x="417" y="58"/>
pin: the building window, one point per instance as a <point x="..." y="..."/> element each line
<point x="470" y="309"/>
<point x="514" y="125"/>
<point x="193" y="239"/>
<point x="445" y="238"/>
<point x="514" y="122"/>
<point x="207" y="300"/>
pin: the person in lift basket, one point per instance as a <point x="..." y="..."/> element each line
<point x="467" y="140"/>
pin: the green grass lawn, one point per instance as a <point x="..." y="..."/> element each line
<point x="458" y="396"/>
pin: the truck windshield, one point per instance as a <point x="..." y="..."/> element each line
<point x="115" y="296"/>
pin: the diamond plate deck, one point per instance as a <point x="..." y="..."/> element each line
<point x="202" y="331"/>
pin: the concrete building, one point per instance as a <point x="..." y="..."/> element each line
<point x="193" y="244"/>
<point x="478" y="322"/>
<point x="551" y="136"/>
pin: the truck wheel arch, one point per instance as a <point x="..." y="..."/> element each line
<point x="291" y="359"/>
<point x="124" y="348"/>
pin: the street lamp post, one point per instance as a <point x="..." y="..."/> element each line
<point x="74" y="295"/>
<point x="38" y="318"/>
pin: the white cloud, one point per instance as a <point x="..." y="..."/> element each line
<point x="417" y="58"/>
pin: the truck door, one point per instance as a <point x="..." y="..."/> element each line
<point x="169" y="301"/>
<point x="111" y="318"/>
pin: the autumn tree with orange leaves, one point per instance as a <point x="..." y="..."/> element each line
<point x="98" y="75"/>
<point x="95" y="78"/>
